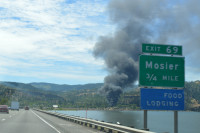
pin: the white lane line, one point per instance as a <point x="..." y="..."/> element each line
<point x="46" y="122"/>
<point x="3" y="119"/>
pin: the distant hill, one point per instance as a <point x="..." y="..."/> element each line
<point x="192" y="95"/>
<point x="65" y="87"/>
<point x="48" y="94"/>
<point x="50" y="86"/>
<point x="27" y="94"/>
<point x="5" y="94"/>
<point x="19" y="86"/>
<point x="82" y="96"/>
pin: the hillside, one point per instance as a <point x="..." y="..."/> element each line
<point x="65" y="87"/>
<point x="82" y="96"/>
<point x="29" y="95"/>
<point x="5" y="94"/>
<point x="192" y="95"/>
<point x="17" y="85"/>
<point x="47" y="94"/>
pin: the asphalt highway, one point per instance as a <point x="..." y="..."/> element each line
<point x="29" y="121"/>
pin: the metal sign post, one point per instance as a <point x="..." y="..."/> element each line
<point x="162" y="99"/>
<point x="162" y="71"/>
<point x="145" y="120"/>
<point x="175" y="121"/>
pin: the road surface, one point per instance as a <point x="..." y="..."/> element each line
<point x="29" y="121"/>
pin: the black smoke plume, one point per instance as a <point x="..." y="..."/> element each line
<point x="120" y="53"/>
<point x="143" y="21"/>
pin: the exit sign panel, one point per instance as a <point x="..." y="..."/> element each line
<point x="162" y="99"/>
<point x="162" y="49"/>
<point x="164" y="71"/>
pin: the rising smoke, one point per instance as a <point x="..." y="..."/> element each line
<point x="140" y="21"/>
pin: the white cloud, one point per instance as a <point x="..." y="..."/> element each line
<point x="39" y="33"/>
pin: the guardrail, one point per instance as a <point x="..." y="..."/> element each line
<point x="103" y="126"/>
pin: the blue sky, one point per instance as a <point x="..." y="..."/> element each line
<point x="52" y="41"/>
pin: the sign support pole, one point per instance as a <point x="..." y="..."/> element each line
<point x="153" y="72"/>
<point x="145" y="119"/>
<point x="175" y="121"/>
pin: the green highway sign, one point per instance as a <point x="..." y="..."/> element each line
<point x="162" y="49"/>
<point x="164" y="71"/>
